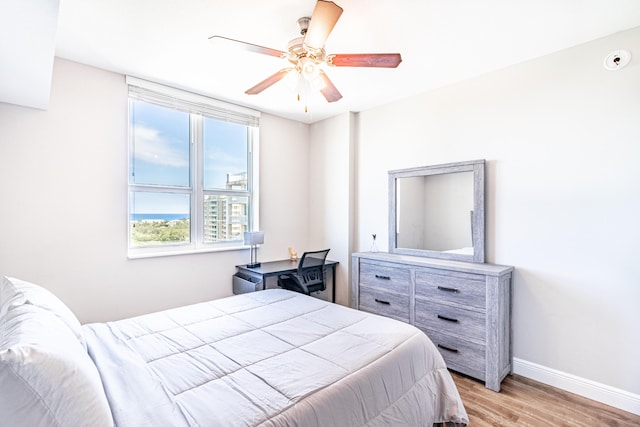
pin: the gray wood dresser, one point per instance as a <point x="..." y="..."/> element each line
<point x="464" y="307"/>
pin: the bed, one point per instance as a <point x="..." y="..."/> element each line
<point x="268" y="358"/>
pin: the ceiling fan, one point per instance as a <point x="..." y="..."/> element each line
<point x="306" y="53"/>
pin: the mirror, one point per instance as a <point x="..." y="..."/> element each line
<point x="438" y="211"/>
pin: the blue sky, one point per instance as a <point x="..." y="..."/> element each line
<point x="161" y="155"/>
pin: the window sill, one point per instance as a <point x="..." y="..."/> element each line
<point x="166" y="253"/>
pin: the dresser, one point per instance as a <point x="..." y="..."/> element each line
<point x="464" y="307"/>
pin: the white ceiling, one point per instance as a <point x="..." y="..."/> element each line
<point x="441" y="42"/>
<point x="27" y="47"/>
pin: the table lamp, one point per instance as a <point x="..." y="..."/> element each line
<point x="253" y="239"/>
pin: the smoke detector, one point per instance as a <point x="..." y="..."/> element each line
<point x="617" y="60"/>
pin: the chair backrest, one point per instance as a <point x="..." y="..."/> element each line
<point x="312" y="259"/>
<point x="311" y="267"/>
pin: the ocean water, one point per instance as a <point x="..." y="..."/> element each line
<point x="158" y="216"/>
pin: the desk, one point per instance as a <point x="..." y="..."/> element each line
<point x="285" y="266"/>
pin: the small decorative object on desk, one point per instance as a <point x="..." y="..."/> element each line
<point x="293" y="255"/>
<point x="374" y="245"/>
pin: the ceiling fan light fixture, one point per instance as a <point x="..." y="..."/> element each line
<point x="317" y="84"/>
<point x="292" y="80"/>
<point x="309" y="69"/>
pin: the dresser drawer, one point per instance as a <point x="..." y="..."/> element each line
<point x="384" y="276"/>
<point x="459" y="288"/>
<point x="384" y="303"/>
<point x="450" y="320"/>
<point x="465" y="308"/>
<point x="465" y="356"/>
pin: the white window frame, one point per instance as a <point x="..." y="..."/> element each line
<point x="198" y="106"/>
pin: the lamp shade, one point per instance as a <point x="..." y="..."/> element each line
<point x="253" y="237"/>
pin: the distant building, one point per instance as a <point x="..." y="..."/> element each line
<point x="226" y="217"/>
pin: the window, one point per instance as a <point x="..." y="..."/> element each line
<point x="192" y="171"/>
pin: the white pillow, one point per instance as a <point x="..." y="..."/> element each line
<point x="46" y="376"/>
<point x="15" y="292"/>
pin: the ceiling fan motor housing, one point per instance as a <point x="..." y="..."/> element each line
<point x="303" y="24"/>
<point x="306" y="60"/>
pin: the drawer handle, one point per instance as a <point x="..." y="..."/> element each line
<point x="444" y="347"/>
<point x="382" y="302"/>
<point x="444" y="288"/>
<point x="448" y="319"/>
<point x="382" y="277"/>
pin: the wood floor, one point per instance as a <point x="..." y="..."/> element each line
<point x="524" y="402"/>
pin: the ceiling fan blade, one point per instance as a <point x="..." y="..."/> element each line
<point x="329" y="91"/>
<point x="324" y="18"/>
<point x="268" y="82"/>
<point x="383" y="60"/>
<point x="249" y="47"/>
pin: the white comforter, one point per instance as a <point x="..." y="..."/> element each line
<point x="271" y="358"/>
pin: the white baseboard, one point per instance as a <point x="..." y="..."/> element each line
<point x="608" y="395"/>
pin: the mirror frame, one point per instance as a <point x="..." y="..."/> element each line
<point x="478" y="222"/>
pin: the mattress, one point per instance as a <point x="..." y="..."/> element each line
<point x="271" y="358"/>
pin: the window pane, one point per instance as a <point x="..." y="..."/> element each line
<point x="190" y="171"/>
<point x="225" y="155"/>
<point x="226" y="218"/>
<point x="160" y="145"/>
<point x="159" y="218"/>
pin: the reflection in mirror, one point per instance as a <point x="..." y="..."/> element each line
<point x="438" y="211"/>
<point x="434" y="212"/>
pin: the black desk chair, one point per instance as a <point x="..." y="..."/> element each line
<point x="310" y="275"/>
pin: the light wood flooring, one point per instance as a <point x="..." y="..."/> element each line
<point x="524" y="402"/>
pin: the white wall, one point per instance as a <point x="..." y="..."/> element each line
<point x="561" y="136"/>
<point x="330" y="179"/>
<point x="63" y="196"/>
<point x="284" y="195"/>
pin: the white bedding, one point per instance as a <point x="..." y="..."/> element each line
<point x="271" y="358"/>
